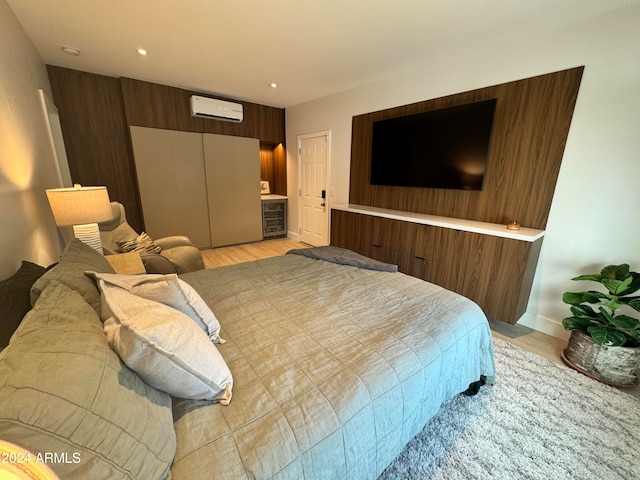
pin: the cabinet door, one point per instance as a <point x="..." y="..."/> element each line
<point x="173" y="190"/>
<point x="421" y="257"/>
<point x="232" y="166"/>
<point x="344" y="229"/>
<point x="492" y="271"/>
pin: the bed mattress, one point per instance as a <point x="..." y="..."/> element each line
<point x="336" y="368"/>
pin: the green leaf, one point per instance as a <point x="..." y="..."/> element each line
<point x="635" y="284"/>
<point x="612" y="305"/>
<point x="617" y="286"/>
<point x="595" y="278"/>
<point x="633" y="302"/>
<point x="616" y="272"/>
<point x="626" y="323"/>
<point x="607" y="336"/>
<point x="608" y="317"/>
<point x="576" y="298"/>
<point x="584" y="311"/>
<point x="576" y="323"/>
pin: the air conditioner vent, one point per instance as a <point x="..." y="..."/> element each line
<point x="216" y="109"/>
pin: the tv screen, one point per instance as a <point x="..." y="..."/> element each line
<point x="444" y="148"/>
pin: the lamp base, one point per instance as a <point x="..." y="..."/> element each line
<point x="89" y="234"/>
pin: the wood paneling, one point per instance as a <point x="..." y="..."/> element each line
<point x="96" y="135"/>
<point x="273" y="167"/>
<point x="96" y="112"/>
<point x="494" y="272"/>
<point x="530" y="129"/>
<point x="159" y="106"/>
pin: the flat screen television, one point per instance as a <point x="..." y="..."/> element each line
<point x="445" y="148"/>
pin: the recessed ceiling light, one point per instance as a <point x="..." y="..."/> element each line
<point x="274" y="85"/>
<point x="142" y="51"/>
<point x="70" y="51"/>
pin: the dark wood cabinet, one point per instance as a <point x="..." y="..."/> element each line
<point x="493" y="271"/>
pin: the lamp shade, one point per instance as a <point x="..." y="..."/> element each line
<point x="79" y="205"/>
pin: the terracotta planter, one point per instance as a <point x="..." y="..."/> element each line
<point x="617" y="366"/>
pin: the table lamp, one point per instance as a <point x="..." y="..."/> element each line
<point x="81" y="208"/>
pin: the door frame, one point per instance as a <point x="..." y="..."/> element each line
<point x="299" y="139"/>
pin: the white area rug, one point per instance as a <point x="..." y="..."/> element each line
<point x="540" y="421"/>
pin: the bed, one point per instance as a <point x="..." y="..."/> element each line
<point x="335" y="369"/>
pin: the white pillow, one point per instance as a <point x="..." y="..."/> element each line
<point x="171" y="291"/>
<point x="164" y="346"/>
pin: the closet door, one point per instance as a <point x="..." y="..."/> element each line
<point x="232" y="167"/>
<point x="171" y="178"/>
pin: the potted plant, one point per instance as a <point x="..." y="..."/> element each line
<point x="604" y="343"/>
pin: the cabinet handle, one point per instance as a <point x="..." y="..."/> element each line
<point x="376" y="245"/>
<point x="422" y="259"/>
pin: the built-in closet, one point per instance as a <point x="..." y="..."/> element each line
<point x="98" y="115"/>
<point x="205" y="186"/>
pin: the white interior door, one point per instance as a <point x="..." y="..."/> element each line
<point x="314" y="215"/>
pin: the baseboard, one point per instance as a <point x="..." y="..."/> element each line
<point x="544" y="325"/>
<point x="293" y="236"/>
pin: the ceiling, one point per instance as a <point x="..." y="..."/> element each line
<point x="310" y="48"/>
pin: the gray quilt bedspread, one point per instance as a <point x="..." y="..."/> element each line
<point x="335" y="369"/>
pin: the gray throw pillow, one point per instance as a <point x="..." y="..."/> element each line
<point x="76" y="258"/>
<point x="164" y="346"/>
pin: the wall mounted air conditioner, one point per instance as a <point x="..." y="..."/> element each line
<point x="213" y="108"/>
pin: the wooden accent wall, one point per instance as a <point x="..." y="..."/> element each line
<point x="273" y="167"/>
<point x="160" y="106"/>
<point x="96" y="112"/>
<point x="530" y="130"/>
<point x="96" y="135"/>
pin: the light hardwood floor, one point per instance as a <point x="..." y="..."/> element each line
<point x="531" y="340"/>
<point x="219" y="257"/>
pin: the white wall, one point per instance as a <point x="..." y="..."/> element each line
<point x="594" y="216"/>
<point x="27" y="166"/>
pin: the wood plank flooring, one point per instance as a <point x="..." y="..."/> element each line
<point x="526" y="338"/>
<point x="219" y="257"/>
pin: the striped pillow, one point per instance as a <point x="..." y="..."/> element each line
<point x="143" y="244"/>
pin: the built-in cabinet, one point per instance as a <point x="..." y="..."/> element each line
<point x="173" y="188"/>
<point x="494" y="271"/>
<point x="96" y="112"/>
<point x="204" y="186"/>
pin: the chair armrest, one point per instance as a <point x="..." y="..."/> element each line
<point x="173" y="241"/>
<point x="155" y="263"/>
<point x="185" y="259"/>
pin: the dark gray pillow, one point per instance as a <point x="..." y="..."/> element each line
<point x="76" y="259"/>
<point x="14" y="298"/>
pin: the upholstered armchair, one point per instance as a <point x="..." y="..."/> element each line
<point x="177" y="253"/>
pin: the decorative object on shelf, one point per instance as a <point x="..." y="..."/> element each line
<point x="81" y="208"/>
<point x="604" y="344"/>
<point x="514" y="225"/>
<point x="264" y="187"/>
